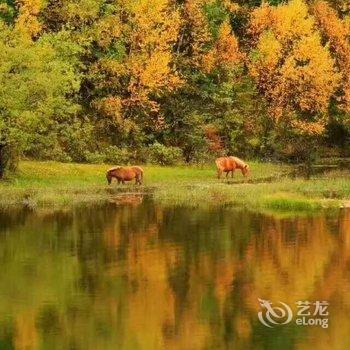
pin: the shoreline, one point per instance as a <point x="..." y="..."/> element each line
<point x="60" y="185"/>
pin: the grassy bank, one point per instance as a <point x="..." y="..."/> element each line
<point x="40" y="184"/>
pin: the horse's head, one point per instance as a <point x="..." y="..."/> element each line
<point x="246" y="170"/>
<point x="109" y="178"/>
<point x="111" y="173"/>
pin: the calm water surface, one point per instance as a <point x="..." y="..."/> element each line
<point x="143" y="276"/>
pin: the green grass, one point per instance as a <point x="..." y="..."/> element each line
<point x="283" y="195"/>
<point x="42" y="184"/>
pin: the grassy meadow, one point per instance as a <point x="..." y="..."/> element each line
<point x="270" y="187"/>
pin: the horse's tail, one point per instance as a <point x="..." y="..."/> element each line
<point x="218" y="163"/>
<point x="138" y="173"/>
<point x="141" y="174"/>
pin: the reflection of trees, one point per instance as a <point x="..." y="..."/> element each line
<point x="149" y="277"/>
<point x="32" y="259"/>
<point x="335" y="288"/>
<point x="284" y="261"/>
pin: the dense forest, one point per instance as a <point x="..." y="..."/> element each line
<point x="173" y="80"/>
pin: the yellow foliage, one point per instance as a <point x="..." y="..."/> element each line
<point x="224" y="49"/>
<point x="227" y="46"/>
<point x="154" y="29"/>
<point x="270" y="53"/>
<point x="153" y="22"/>
<point x="200" y="32"/>
<point x="108" y="29"/>
<point x="27" y="20"/>
<point x="231" y="6"/>
<point x="308" y="128"/>
<point x="141" y="35"/>
<point x="79" y="11"/>
<point x="309" y="77"/>
<point x="261" y="19"/>
<point x="292" y="21"/>
<point x="295" y="72"/>
<point x="337" y="31"/>
<point x="110" y="106"/>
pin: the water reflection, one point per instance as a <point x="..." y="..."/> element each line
<point x="141" y="276"/>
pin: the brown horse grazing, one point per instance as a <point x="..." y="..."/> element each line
<point x="123" y="174"/>
<point x="230" y="164"/>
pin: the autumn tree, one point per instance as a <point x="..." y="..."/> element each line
<point x="217" y="97"/>
<point x="293" y="69"/>
<point x="337" y="31"/>
<point x="207" y="76"/>
<point x="133" y="66"/>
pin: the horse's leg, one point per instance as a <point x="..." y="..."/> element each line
<point x="119" y="181"/>
<point x="219" y="173"/>
<point x="232" y="171"/>
<point x="227" y="172"/>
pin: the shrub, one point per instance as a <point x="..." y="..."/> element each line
<point x="118" y="155"/>
<point x="163" y="155"/>
<point x="8" y="158"/>
<point x="94" y="157"/>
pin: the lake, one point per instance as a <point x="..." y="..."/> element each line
<point x="136" y="275"/>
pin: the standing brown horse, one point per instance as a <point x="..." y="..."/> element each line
<point x="230" y="164"/>
<point x="123" y="174"/>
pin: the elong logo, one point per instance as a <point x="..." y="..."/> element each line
<point x="282" y="314"/>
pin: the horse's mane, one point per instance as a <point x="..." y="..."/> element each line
<point x="239" y="161"/>
<point x="114" y="168"/>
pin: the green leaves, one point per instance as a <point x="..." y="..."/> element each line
<point x="38" y="82"/>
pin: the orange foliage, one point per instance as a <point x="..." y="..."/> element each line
<point x="27" y="20"/>
<point x="154" y="31"/>
<point x="337" y="31"/>
<point x="108" y="29"/>
<point x="110" y="106"/>
<point x="292" y="68"/>
<point x="199" y="28"/>
<point x="223" y="51"/>
<point x="145" y="69"/>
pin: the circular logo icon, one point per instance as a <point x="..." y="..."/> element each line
<point x="274" y="315"/>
